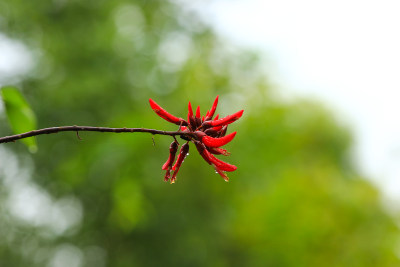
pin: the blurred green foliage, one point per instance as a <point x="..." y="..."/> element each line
<point x="295" y="200"/>
<point x="19" y="114"/>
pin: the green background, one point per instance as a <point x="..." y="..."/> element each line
<point x="295" y="200"/>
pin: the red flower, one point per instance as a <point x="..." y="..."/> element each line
<point x="206" y="133"/>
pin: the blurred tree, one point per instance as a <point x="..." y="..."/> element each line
<point x="295" y="200"/>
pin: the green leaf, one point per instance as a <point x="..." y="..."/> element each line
<point x="19" y="114"/>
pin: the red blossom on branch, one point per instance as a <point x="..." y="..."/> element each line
<point x="206" y="133"/>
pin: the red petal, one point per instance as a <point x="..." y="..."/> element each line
<point x="223" y="174"/>
<point x="182" y="155"/>
<point x="190" y="110"/>
<point x="198" y="112"/>
<point x="213" y="108"/>
<point x="217" y="163"/>
<point x="218" y="151"/>
<point x="165" y="115"/>
<point x="224" y="121"/>
<point x="167" y="175"/>
<point x="203" y="152"/>
<point x="217" y="142"/>
<point x="167" y="164"/>
<point x="172" y="151"/>
<point x="224" y="166"/>
<point x="217" y="128"/>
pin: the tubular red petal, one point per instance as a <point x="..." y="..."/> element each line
<point x="225" y="121"/>
<point x="224" y="166"/>
<point x="206" y="124"/>
<point x="190" y="114"/>
<point x="213" y="108"/>
<point x="190" y="117"/>
<point x="217" y="128"/>
<point x="222" y="174"/>
<point x="172" y="151"/>
<point x="210" y="159"/>
<point x="167" y="164"/>
<point x="182" y="155"/>
<point x="217" y="142"/>
<point x="165" y="115"/>
<point x="167" y="175"/>
<point x="218" y="151"/>
<point x="197" y="120"/>
<point x="203" y="152"/>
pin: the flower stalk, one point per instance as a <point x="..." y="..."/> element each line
<point x="77" y="129"/>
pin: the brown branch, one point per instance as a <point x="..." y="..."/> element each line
<point x="78" y="129"/>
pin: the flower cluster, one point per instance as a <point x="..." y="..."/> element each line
<point x="207" y="133"/>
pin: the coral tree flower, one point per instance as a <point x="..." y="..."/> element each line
<point x="207" y="133"/>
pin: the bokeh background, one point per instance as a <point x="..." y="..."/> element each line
<point x="296" y="199"/>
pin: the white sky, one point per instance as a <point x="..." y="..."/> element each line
<point x="15" y="58"/>
<point x="345" y="53"/>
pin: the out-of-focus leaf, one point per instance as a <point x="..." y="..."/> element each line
<point x="19" y="114"/>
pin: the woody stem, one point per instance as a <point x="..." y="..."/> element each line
<point x="51" y="130"/>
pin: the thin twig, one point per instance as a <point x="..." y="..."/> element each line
<point x="51" y="130"/>
<point x="77" y="135"/>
